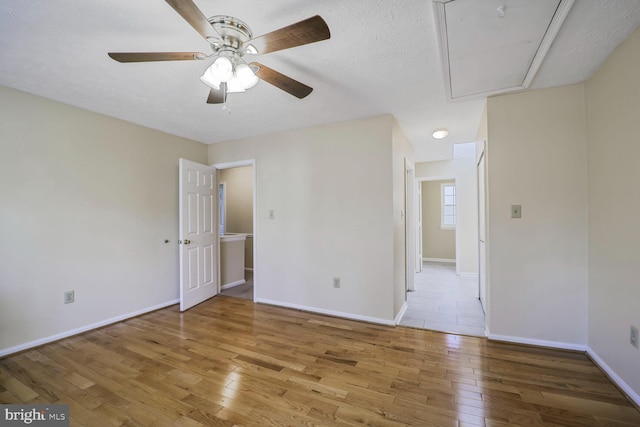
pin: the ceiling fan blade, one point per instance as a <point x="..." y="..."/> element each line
<point x="310" y="30"/>
<point x="155" y="56"/>
<point x="287" y="84"/>
<point x="218" y="96"/>
<point x="194" y="16"/>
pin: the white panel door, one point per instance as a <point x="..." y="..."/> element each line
<point x="482" y="254"/>
<point x="198" y="233"/>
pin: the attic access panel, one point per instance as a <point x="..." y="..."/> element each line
<point x="490" y="47"/>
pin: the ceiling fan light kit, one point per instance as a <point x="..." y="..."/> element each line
<point x="238" y="78"/>
<point x="230" y="40"/>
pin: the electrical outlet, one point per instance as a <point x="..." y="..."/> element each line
<point x="69" y="297"/>
<point x="336" y="282"/>
<point x="633" y="338"/>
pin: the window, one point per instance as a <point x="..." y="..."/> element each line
<point x="448" y="192"/>
<point x="221" y="208"/>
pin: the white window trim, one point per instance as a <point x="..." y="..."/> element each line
<point x="444" y="226"/>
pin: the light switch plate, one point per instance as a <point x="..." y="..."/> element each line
<point x="69" y="297"/>
<point x="516" y="211"/>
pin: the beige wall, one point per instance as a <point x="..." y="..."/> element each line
<point x="239" y="198"/>
<point x="569" y="156"/>
<point x="538" y="263"/>
<point x="613" y="129"/>
<point x="436" y="242"/>
<point x="86" y="202"/>
<point x="333" y="217"/>
<point x="231" y="262"/>
<point x="239" y="205"/>
<point x="465" y="173"/>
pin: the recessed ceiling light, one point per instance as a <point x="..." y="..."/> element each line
<point x="440" y="133"/>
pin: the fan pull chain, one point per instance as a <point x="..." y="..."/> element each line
<point x="225" y="106"/>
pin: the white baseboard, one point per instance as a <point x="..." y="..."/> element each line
<point x="472" y="275"/>
<point x="401" y="313"/>
<point x="327" y="312"/>
<point x="447" y="260"/>
<point x="56" y="337"/>
<point x="613" y="376"/>
<point x="538" y="343"/>
<point x="632" y="394"/>
<point x="233" y="284"/>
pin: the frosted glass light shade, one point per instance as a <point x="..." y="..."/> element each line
<point x="440" y="133"/>
<point x="234" y="85"/>
<point x="210" y="79"/>
<point x="238" y="78"/>
<point x="246" y="76"/>
<point x="222" y="69"/>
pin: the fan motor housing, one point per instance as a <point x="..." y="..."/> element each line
<point x="234" y="32"/>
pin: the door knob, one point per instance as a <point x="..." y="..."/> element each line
<point x="186" y="242"/>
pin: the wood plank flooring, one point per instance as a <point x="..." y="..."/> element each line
<point x="231" y="362"/>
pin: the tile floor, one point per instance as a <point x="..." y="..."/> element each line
<point x="244" y="291"/>
<point x="444" y="301"/>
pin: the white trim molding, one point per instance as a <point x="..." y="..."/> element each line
<point x="447" y="260"/>
<point x="401" y="313"/>
<point x="56" y="337"/>
<point x="233" y="237"/>
<point x="599" y="362"/>
<point x="545" y="44"/>
<point x="233" y="284"/>
<point x="236" y="164"/>
<point x="333" y="313"/>
<point x="464" y="274"/>
<point x="635" y="397"/>
<point x="538" y="343"/>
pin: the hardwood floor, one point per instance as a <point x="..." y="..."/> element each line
<point x="231" y="362"/>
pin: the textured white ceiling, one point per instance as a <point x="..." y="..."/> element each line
<point x="382" y="58"/>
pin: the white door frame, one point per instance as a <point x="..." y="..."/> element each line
<point x="237" y="164"/>
<point x="418" y="229"/>
<point x="445" y="178"/>
<point x="409" y="226"/>
<point x="483" y="235"/>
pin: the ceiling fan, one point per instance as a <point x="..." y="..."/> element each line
<point x="230" y="40"/>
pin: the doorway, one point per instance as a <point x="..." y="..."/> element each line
<point x="444" y="299"/>
<point x="439" y="220"/>
<point x="237" y="226"/>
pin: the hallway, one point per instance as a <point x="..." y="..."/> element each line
<point x="444" y="301"/>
